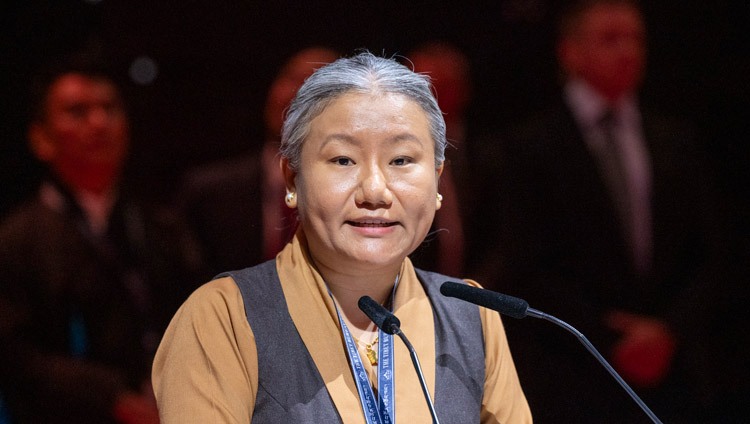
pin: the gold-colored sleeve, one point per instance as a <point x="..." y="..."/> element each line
<point x="206" y="367"/>
<point x="503" y="401"/>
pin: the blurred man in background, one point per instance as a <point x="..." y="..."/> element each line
<point x="446" y="247"/>
<point x="236" y="207"/>
<point x="89" y="275"/>
<point x="606" y="220"/>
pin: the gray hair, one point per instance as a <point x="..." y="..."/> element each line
<point x="362" y="73"/>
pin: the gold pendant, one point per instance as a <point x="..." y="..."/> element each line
<point x="371" y="355"/>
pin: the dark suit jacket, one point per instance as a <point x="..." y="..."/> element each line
<point x="554" y="239"/>
<point x="81" y="316"/>
<point x="224" y="206"/>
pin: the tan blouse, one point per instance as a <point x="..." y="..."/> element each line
<point x="205" y="370"/>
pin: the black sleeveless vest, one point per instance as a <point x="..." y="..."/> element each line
<point x="297" y="394"/>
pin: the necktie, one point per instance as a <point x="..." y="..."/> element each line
<point x="632" y="207"/>
<point x="614" y="170"/>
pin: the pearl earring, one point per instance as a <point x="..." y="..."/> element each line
<point x="289" y="198"/>
<point x="439" y="197"/>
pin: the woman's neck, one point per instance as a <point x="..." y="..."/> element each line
<point x="348" y="288"/>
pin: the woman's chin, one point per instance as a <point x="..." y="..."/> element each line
<point x="378" y="258"/>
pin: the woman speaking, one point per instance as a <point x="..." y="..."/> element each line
<point x="285" y="341"/>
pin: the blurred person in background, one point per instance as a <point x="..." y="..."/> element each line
<point x="89" y="275"/>
<point x="445" y="248"/>
<point x="606" y="218"/>
<point x="234" y="206"/>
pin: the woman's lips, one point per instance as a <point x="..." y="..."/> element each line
<point x="371" y="223"/>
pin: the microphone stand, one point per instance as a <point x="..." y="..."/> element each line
<point x="390" y="324"/>
<point x="418" y="368"/>
<point x="519" y="308"/>
<point x="590" y="347"/>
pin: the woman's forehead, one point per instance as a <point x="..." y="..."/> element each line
<point x="393" y="115"/>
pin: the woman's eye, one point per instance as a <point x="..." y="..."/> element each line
<point x="401" y="161"/>
<point x="343" y="161"/>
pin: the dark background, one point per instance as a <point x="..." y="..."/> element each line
<point x="216" y="58"/>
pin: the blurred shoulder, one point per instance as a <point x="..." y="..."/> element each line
<point x="235" y="171"/>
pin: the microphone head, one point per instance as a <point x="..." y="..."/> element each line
<point x="383" y="318"/>
<point x="506" y="305"/>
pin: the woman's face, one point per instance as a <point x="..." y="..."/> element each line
<point x="367" y="182"/>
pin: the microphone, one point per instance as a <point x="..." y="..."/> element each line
<point x="385" y="320"/>
<point x="519" y="308"/>
<point x="388" y="322"/>
<point x="506" y="305"/>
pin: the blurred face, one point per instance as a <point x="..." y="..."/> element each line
<point x="290" y="79"/>
<point x="450" y="79"/>
<point x="83" y="135"/>
<point x="367" y="183"/>
<point x="608" y="49"/>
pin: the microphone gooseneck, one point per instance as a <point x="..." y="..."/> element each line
<point x="389" y="323"/>
<point x="519" y="308"/>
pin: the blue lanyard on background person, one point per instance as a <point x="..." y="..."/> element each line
<point x="4" y="413"/>
<point x="78" y="340"/>
<point x="382" y="412"/>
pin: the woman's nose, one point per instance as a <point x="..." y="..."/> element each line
<point x="373" y="188"/>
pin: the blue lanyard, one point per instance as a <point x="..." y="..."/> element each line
<point x="382" y="411"/>
<point x="385" y="376"/>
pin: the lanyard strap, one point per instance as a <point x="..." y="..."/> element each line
<point x="385" y="376"/>
<point x="381" y="411"/>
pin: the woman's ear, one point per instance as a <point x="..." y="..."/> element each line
<point x="291" y="188"/>
<point x="289" y="175"/>
<point x="438" y="196"/>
